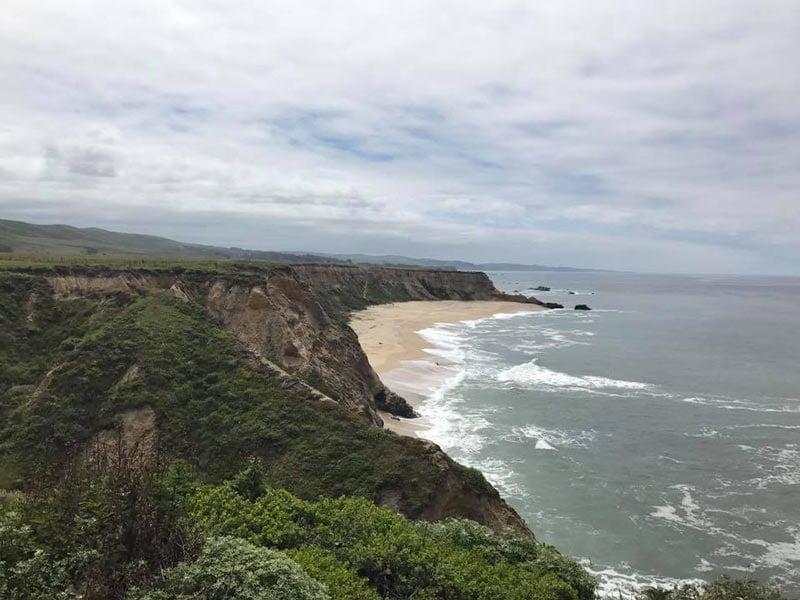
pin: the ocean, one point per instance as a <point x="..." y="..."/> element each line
<point x="656" y="437"/>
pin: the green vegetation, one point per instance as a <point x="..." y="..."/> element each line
<point x="114" y="265"/>
<point x="146" y="533"/>
<point x="233" y="568"/>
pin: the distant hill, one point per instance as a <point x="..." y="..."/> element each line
<point x="64" y="240"/>
<point x="25" y="238"/>
<point x="459" y="265"/>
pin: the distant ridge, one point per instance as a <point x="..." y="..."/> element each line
<point x="18" y="237"/>
<point x="391" y="259"/>
<point x="26" y="238"/>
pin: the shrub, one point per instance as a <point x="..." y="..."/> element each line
<point x="342" y="581"/>
<point x="233" y="568"/>
<point x="353" y="546"/>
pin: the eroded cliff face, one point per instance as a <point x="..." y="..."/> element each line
<point x="294" y="320"/>
<point x="283" y="322"/>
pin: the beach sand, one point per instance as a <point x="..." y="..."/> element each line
<point x="388" y="335"/>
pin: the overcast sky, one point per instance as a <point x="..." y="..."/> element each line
<point x="655" y="136"/>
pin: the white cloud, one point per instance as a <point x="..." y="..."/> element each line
<point x="600" y="130"/>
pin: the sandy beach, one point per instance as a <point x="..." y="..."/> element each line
<point x="388" y="335"/>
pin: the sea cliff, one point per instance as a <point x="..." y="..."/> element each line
<point x="289" y="324"/>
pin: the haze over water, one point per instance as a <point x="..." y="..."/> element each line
<point x="657" y="436"/>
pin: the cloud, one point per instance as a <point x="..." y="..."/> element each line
<point x="656" y="136"/>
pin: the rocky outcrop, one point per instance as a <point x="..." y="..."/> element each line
<point x="390" y="402"/>
<point x="553" y="305"/>
<point x="582" y="307"/>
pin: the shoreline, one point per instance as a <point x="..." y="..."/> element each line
<point x="407" y="362"/>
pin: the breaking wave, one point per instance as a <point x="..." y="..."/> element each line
<point x="533" y="374"/>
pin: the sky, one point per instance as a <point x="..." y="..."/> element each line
<point x="659" y="136"/>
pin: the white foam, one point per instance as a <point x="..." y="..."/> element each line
<point x="533" y="374"/>
<point x="501" y="475"/>
<point x="780" y="465"/>
<point x="551" y="439"/>
<point x="670" y="459"/>
<point x="616" y="584"/>
<point x="687" y="513"/>
<point x="735" y="404"/>
<point x="541" y="444"/>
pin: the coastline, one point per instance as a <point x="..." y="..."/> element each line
<point x="391" y="337"/>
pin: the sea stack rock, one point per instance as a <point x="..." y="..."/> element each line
<point x="553" y="305"/>
<point x="582" y="307"/>
<point x="542" y="288"/>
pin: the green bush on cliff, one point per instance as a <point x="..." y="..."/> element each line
<point x="363" y="544"/>
<point x="234" y="568"/>
<point x="99" y="534"/>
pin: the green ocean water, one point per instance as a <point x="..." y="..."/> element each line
<point x="657" y="437"/>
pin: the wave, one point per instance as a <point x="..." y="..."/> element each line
<point x="447" y="340"/>
<point x="734" y="404"/>
<point x="780" y="465"/>
<point x="628" y="585"/>
<point x="533" y="374"/>
<point x="690" y="510"/>
<point x="551" y="439"/>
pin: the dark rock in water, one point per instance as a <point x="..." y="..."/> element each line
<point x="542" y="288"/>
<point x="553" y="305"/>
<point x="571" y="293"/>
<point x="582" y="307"/>
<point x="394" y="404"/>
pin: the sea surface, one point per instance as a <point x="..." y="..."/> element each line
<point x="656" y="438"/>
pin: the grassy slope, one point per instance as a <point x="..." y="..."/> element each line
<point x="214" y="406"/>
<point x="27" y="239"/>
<point x="63" y="239"/>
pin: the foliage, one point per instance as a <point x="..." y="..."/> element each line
<point x="233" y="568"/>
<point x="104" y="528"/>
<point x="341" y="580"/>
<point x="497" y="547"/>
<point x="351" y="540"/>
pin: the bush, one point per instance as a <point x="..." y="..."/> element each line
<point x="233" y="568"/>
<point x="354" y="546"/>
<point x="342" y="581"/>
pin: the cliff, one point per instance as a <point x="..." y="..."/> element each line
<point x="149" y="340"/>
<point x="296" y="317"/>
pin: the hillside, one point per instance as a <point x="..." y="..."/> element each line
<point x="63" y="240"/>
<point x="258" y="361"/>
<point x="17" y="237"/>
<point x="459" y="265"/>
